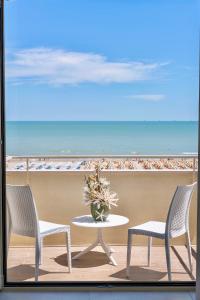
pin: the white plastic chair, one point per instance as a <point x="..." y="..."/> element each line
<point x="177" y="224"/>
<point x="24" y="221"/>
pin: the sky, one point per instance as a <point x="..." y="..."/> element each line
<point x="101" y="60"/>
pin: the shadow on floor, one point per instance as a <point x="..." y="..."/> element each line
<point x="88" y="260"/>
<point x="23" y="273"/>
<point x="182" y="261"/>
<point x="140" y="274"/>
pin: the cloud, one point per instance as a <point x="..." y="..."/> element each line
<point x="147" y="97"/>
<point x="60" y="67"/>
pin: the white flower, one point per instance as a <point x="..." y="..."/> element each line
<point x="97" y="191"/>
<point x="104" y="182"/>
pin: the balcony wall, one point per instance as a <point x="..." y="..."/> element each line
<point x="144" y="195"/>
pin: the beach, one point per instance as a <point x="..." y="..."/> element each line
<point x="80" y="145"/>
<point x="84" y="164"/>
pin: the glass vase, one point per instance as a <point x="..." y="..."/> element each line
<point x="99" y="213"/>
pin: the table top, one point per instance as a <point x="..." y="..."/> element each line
<point x="88" y="221"/>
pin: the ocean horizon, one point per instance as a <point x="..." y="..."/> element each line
<point x="101" y="137"/>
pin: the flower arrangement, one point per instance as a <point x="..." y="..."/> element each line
<point x="97" y="194"/>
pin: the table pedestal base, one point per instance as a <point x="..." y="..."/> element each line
<point x="99" y="241"/>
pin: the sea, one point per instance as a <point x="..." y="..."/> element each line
<point x="101" y="137"/>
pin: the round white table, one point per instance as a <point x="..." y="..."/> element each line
<point x="88" y="221"/>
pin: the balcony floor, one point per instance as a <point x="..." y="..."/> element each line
<point x="94" y="266"/>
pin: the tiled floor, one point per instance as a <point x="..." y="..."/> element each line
<point x="95" y="266"/>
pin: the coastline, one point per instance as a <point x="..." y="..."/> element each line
<point x="101" y="138"/>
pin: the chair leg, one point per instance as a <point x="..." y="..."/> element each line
<point x="188" y="243"/>
<point x="149" y="250"/>
<point x="167" y="252"/>
<point x="69" y="260"/>
<point x="37" y="258"/>
<point x="41" y="248"/>
<point x="129" y="247"/>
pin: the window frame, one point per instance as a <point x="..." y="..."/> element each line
<point x="69" y="285"/>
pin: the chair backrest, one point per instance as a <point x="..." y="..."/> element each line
<point x="22" y="210"/>
<point x="178" y="215"/>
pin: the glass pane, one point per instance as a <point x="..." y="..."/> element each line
<point x="101" y="124"/>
